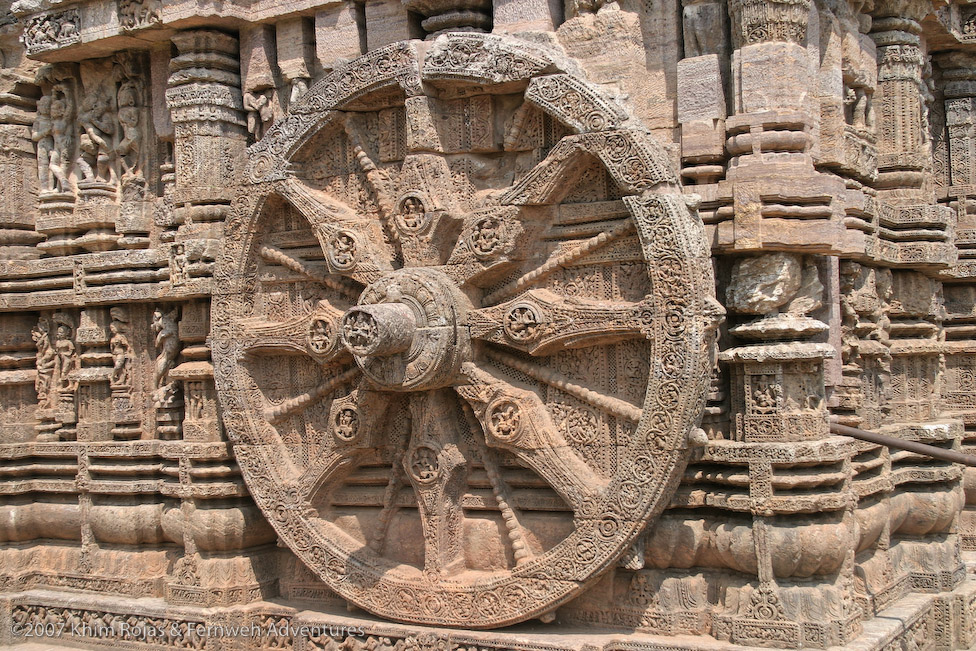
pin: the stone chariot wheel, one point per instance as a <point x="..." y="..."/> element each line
<point x="462" y="330"/>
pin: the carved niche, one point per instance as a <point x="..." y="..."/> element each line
<point x="460" y="367"/>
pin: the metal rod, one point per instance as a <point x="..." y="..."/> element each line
<point x="901" y="444"/>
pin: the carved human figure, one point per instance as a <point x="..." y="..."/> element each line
<point x="260" y="112"/>
<point x="87" y="157"/>
<point x="121" y="350"/>
<point x="61" y="130"/>
<point x="347" y="422"/>
<point x="178" y="262"/>
<point x="413" y="212"/>
<point x="66" y="359"/>
<point x="486" y="236"/>
<point x="764" y="398"/>
<point x="849" y="272"/>
<point x="505" y="420"/>
<point x="299" y="87"/>
<point x="98" y="129"/>
<point x="138" y="13"/>
<point x="164" y="327"/>
<point x="67" y="30"/>
<point x="522" y="323"/>
<point x="45" y="363"/>
<point x="579" y="7"/>
<point x="858" y="102"/>
<point x="864" y="108"/>
<point x="320" y="336"/>
<point x="344" y="249"/>
<point x="43" y="135"/>
<point x="129" y="146"/>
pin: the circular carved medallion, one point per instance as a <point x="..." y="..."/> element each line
<point x="321" y="338"/>
<point x="488" y="402"/>
<point x="346" y="424"/>
<point x="523" y="322"/>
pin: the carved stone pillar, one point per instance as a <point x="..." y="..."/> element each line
<point x="339" y="33"/>
<point x="702" y="113"/>
<point x="18" y="378"/>
<point x="295" y="41"/>
<point x="777" y="375"/>
<point x="200" y="422"/>
<point x="959" y="384"/>
<point x="18" y="108"/>
<point x="770" y="134"/>
<point x="959" y="92"/>
<point x="861" y="397"/>
<point x="903" y="146"/>
<point x="226" y="558"/>
<point x="770" y="78"/>
<point x="921" y="485"/>
<point x="778" y="307"/>
<point x="847" y="83"/>
<point x="93" y="376"/>
<point x="959" y="390"/>
<point x="702" y="78"/>
<point x="387" y="22"/>
<point x="204" y="97"/>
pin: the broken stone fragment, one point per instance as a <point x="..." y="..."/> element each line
<point x="763" y="284"/>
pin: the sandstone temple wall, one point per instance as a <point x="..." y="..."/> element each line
<point x="513" y="324"/>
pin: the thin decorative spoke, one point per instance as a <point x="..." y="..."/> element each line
<point x="378" y="182"/>
<point x="558" y="261"/>
<point x="338" y="283"/>
<point x="608" y="404"/>
<point x="516" y="534"/>
<point x="290" y="407"/>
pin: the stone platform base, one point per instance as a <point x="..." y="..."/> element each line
<point x="59" y="619"/>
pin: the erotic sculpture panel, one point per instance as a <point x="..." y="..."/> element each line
<point x="462" y="331"/>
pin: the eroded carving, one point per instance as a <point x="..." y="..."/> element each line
<point x="430" y="357"/>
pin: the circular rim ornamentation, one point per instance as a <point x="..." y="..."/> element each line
<point x="610" y="514"/>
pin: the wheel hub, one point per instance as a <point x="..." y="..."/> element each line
<point x="404" y="333"/>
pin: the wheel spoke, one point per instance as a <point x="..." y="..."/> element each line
<point x="521" y="550"/>
<point x="491" y="243"/>
<point x="517" y="421"/>
<point x="351" y="436"/>
<point x="437" y="469"/>
<point x="353" y="245"/>
<point x="300" y="403"/>
<point x="315" y="334"/>
<point x="377" y="180"/>
<point x="559" y="261"/>
<point x="390" y="506"/>
<point x="277" y="256"/>
<point x="539" y="322"/>
<point x="608" y="404"/>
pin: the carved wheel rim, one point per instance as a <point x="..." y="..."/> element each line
<point x="414" y="377"/>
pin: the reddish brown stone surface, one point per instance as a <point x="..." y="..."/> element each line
<point x="402" y="326"/>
